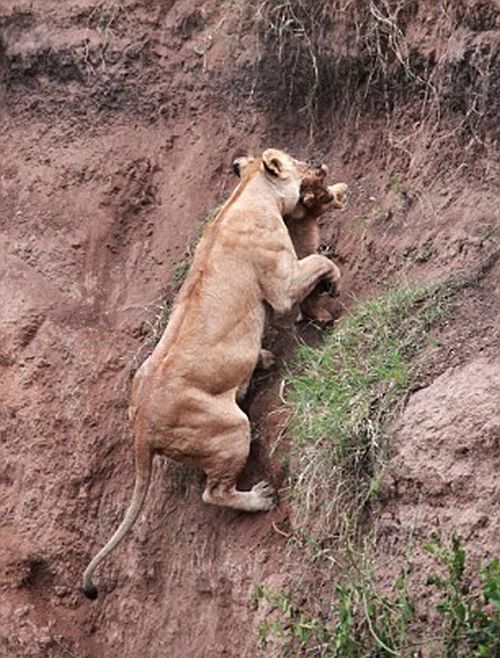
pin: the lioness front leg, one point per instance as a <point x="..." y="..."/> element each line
<point x="296" y="280"/>
<point x="308" y="272"/>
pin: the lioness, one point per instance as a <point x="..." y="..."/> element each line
<point x="183" y="402"/>
<point x="316" y="198"/>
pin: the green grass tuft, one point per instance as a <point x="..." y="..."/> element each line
<point x="344" y="395"/>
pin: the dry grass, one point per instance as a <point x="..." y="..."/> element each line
<point x="359" y="57"/>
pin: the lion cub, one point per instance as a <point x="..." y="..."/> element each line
<point x="317" y="198"/>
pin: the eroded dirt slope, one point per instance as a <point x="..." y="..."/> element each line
<point x="118" y="125"/>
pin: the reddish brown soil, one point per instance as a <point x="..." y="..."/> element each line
<point x="117" y="131"/>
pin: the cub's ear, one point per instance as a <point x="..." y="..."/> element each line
<point x="273" y="162"/>
<point x="308" y="199"/>
<point x="338" y="192"/>
<point x="325" y="197"/>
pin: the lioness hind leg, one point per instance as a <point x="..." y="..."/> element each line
<point x="222" y="469"/>
<point x="260" y="498"/>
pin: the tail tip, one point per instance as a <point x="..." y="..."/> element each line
<point x="90" y="592"/>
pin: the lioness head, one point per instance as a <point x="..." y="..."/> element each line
<point x="315" y="198"/>
<point x="282" y="172"/>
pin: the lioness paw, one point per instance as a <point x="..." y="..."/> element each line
<point x="265" y="494"/>
<point x="333" y="275"/>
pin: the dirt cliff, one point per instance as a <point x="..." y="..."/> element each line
<point x="118" y="125"/>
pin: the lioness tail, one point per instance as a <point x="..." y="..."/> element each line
<point x="142" y="477"/>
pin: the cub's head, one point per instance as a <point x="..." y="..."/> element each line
<point x="315" y="197"/>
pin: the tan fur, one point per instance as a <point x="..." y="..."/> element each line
<point x="316" y="198"/>
<point x="183" y="402"/>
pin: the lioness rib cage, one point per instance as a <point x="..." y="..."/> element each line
<point x="183" y="400"/>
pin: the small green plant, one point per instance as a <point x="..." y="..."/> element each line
<point x="363" y="620"/>
<point x="361" y="221"/>
<point x="426" y="252"/>
<point x="343" y="396"/>
<point x="396" y="185"/>
<point x="469" y="628"/>
<point x="179" y="272"/>
<point x="359" y="621"/>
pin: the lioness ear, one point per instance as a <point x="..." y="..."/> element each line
<point x="273" y="162"/>
<point x="240" y="164"/>
<point x="236" y="167"/>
